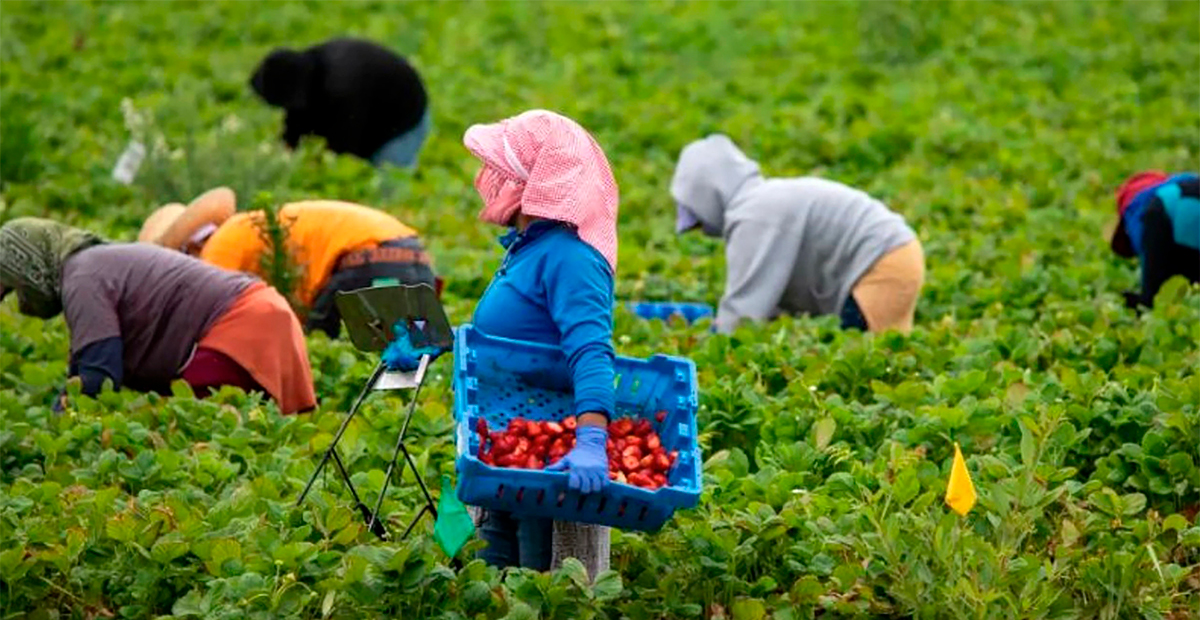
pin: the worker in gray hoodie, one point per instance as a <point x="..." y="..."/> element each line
<point x="798" y="246"/>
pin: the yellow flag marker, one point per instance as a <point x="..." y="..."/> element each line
<point x="960" y="493"/>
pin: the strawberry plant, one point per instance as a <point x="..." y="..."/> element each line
<point x="998" y="130"/>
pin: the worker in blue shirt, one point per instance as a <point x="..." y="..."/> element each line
<point x="547" y="179"/>
<point x="1159" y="223"/>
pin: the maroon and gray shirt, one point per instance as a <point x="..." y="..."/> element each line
<point x="159" y="302"/>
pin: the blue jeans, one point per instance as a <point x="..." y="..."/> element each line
<point x="513" y="540"/>
<point x="852" y="316"/>
<point x="403" y="149"/>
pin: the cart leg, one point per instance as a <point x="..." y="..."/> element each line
<point x="387" y="478"/>
<point x="331" y="451"/>
<point x="417" y="519"/>
<point x="376" y="527"/>
<point x="590" y="544"/>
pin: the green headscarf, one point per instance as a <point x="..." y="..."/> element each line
<point x="32" y="253"/>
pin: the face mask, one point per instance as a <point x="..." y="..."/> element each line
<point x="501" y="196"/>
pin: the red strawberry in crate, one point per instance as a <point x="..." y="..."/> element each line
<point x="639" y="479"/>
<point x="504" y="444"/>
<point x="662" y="462"/>
<point x="620" y="428"/>
<point x="630" y="463"/>
<point x="558" y="448"/>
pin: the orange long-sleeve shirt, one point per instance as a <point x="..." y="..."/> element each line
<point x="319" y="233"/>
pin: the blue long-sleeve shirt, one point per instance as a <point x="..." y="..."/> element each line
<point x="1137" y="208"/>
<point x="555" y="289"/>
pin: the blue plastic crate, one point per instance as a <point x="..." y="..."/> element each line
<point x="500" y="379"/>
<point x="665" y="310"/>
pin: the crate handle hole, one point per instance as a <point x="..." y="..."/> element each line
<point x="600" y="508"/>
<point x="540" y="496"/>
<point x="621" y="509"/>
<point x="500" y="492"/>
<point x="562" y="497"/>
<point x="520" y="494"/>
<point x="642" y="514"/>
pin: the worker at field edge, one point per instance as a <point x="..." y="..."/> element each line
<point x="545" y="178"/>
<point x="797" y="246"/>
<point x="362" y="98"/>
<point x="141" y="316"/>
<point x="1158" y="222"/>
<point x="339" y="246"/>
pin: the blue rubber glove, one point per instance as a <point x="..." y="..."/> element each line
<point x="400" y="353"/>
<point x="587" y="462"/>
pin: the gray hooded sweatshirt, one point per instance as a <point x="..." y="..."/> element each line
<point x="793" y="246"/>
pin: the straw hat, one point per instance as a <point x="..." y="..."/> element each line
<point x="173" y="225"/>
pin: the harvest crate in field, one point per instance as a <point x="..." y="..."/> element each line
<point x="499" y="379"/>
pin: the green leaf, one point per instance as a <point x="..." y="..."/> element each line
<point x="225" y="557"/>
<point x="1132" y="504"/>
<point x="1070" y="533"/>
<point x="748" y="609"/>
<point x="13" y="565"/>
<point x="292" y="554"/>
<point x="337" y="518"/>
<point x="846" y="575"/>
<point x="168" y="548"/>
<point x="477" y="597"/>
<point x="1108" y="502"/>
<point x="906" y="486"/>
<point x="607" y="586"/>
<point x="191" y="604"/>
<point x="1171" y="292"/>
<point x="823" y="432"/>
<point x="1028" y="447"/>
<point x="121" y="527"/>
<point x="181" y="389"/>
<point x="327" y="603"/>
<point x="1175" y="522"/>
<point x="520" y="611"/>
<point x="575" y="571"/>
<point x="1180" y="465"/>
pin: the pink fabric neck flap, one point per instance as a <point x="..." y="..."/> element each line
<point x="545" y="165"/>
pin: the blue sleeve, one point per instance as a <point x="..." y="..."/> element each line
<point x="579" y="293"/>
<point x="100" y="360"/>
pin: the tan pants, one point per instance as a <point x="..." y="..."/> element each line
<point x="887" y="293"/>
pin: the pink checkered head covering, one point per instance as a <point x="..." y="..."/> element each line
<point x="545" y="165"/>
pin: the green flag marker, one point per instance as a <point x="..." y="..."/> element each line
<point x="454" y="526"/>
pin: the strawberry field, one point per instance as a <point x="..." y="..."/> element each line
<point x="999" y="131"/>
